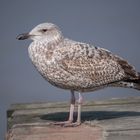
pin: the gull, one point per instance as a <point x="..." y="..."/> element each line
<point x="76" y="66"/>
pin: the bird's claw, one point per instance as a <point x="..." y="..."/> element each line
<point x="67" y="124"/>
<point x="75" y="124"/>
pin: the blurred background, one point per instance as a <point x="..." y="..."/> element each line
<point x="111" y="24"/>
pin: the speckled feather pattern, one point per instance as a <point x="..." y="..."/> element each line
<point x="78" y="66"/>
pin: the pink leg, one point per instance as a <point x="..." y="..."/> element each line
<point x="72" y="105"/>
<point x="78" y="122"/>
<point x="80" y="101"/>
<point x="71" y="112"/>
<point x="70" y="123"/>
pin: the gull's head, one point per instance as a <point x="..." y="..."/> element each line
<point x="42" y="32"/>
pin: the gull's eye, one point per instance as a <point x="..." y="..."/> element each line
<point x="44" y="30"/>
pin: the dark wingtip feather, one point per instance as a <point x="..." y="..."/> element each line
<point x="128" y="69"/>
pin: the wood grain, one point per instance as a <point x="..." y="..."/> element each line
<point x="115" y="119"/>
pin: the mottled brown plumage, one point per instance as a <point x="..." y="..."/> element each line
<point x="77" y="66"/>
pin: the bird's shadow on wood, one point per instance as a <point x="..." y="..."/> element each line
<point x="90" y="115"/>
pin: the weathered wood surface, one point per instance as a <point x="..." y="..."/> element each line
<point x="116" y="119"/>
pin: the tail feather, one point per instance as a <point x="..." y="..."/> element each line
<point x="125" y="84"/>
<point x="132" y="78"/>
<point x="128" y="69"/>
<point x="136" y="82"/>
<point x="129" y="83"/>
<point x="136" y="86"/>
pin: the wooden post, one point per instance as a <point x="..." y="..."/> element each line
<point x="115" y="119"/>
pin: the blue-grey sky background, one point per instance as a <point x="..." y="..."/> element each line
<point x="111" y="24"/>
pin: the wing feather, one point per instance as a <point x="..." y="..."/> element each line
<point x="89" y="65"/>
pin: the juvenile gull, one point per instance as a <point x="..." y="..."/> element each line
<point x="76" y="66"/>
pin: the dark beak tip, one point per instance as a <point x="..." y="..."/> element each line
<point x="19" y="37"/>
<point x="22" y="36"/>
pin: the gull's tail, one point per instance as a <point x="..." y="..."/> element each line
<point x="132" y="79"/>
<point x="135" y="82"/>
<point x="129" y="83"/>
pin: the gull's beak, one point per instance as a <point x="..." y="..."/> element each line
<point x="23" y="36"/>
